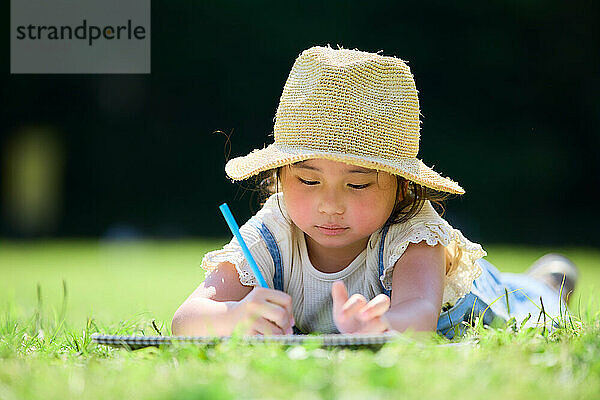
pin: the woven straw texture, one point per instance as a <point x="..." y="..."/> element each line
<point x="350" y="106"/>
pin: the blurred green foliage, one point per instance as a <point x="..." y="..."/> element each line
<point x="508" y="91"/>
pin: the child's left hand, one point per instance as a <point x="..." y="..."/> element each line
<point x="355" y="314"/>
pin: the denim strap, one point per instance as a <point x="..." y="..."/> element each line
<point x="273" y="248"/>
<point x="381" y="247"/>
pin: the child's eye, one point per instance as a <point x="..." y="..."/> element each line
<point x="307" y="182"/>
<point x="350" y="185"/>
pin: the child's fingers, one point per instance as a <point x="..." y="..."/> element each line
<point x="339" y="295"/>
<point x="271" y="304"/>
<point x="375" y="325"/>
<point x="278" y="315"/>
<point x="265" y="327"/>
<point x="376" y="307"/>
<point x="354" y="304"/>
<point x="274" y="296"/>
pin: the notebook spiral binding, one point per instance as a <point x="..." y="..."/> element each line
<point x="139" y="342"/>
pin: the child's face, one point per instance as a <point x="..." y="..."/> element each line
<point x="337" y="205"/>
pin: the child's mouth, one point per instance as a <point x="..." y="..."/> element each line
<point x="331" y="230"/>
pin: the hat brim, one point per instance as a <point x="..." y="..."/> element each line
<point x="274" y="156"/>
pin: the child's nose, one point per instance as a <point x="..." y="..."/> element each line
<point x="331" y="203"/>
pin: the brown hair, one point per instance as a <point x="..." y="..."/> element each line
<point x="413" y="199"/>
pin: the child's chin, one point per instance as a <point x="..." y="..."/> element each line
<point x="335" y="242"/>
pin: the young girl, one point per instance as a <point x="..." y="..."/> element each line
<point x="349" y="240"/>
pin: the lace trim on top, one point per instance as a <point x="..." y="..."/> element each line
<point x="212" y="259"/>
<point x="460" y="278"/>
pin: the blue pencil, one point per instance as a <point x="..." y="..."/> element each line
<point x="236" y="232"/>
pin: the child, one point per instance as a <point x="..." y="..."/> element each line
<point x="349" y="240"/>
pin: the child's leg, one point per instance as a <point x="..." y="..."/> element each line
<point x="504" y="295"/>
<point x="518" y="295"/>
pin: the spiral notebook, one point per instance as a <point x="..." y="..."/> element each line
<point x="138" y="342"/>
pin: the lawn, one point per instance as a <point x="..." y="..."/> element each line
<point x="45" y="351"/>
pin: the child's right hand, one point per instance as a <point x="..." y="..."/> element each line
<point x="265" y="312"/>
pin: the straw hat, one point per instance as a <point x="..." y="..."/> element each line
<point x="351" y="106"/>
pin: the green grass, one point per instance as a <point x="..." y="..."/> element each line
<point x="119" y="288"/>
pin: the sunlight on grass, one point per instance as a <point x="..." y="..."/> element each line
<point x="108" y="280"/>
<point x="121" y="288"/>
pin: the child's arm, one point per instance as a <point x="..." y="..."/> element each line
<point x="417" y="288"/>
<point x="221" y="302"/>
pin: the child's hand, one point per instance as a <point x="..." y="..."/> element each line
<point x="265" y="312"/>
<point x="355" y="314"/>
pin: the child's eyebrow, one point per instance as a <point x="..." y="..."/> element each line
<point x="301" y="164"/>
<point x="359" y="170"/>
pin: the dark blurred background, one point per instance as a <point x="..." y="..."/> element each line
<point x="508" y="90"/>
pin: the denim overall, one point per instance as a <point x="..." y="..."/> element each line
<point x="494" y="295"/>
